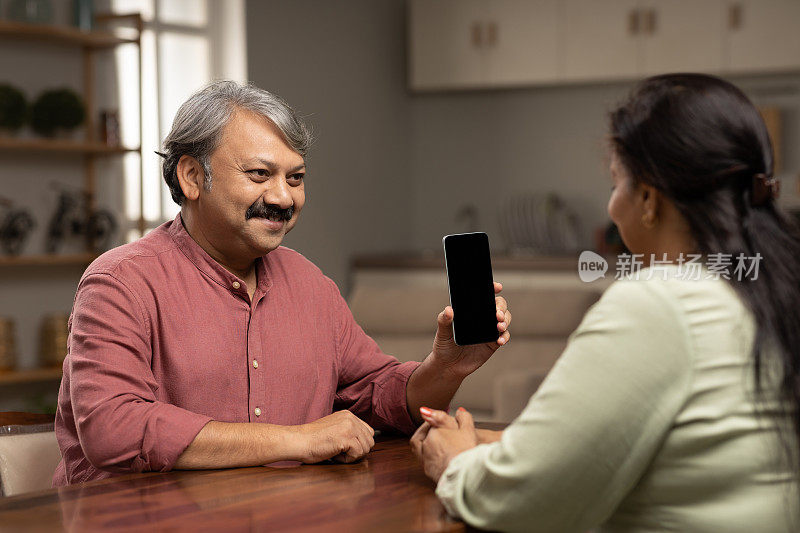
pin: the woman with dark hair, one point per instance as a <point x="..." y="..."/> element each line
<point x="674" y="406"/>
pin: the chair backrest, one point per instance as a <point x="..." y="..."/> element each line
<point x="29" y="452"/>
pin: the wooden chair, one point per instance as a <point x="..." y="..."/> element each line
<point x="29" y="452"/>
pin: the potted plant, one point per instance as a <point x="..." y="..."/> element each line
<point x="57" y="110"/>
<point x="13" y="109"/>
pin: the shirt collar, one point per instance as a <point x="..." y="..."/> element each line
<point x="211" y="268"/>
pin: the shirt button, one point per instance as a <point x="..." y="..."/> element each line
<point x="257" y="411"/>
<point x="255" y="363"/>
<point x="236" y="284"/>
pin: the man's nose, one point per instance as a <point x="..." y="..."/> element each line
<point x="278" y="193"/>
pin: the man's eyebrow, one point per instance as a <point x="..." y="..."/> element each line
<point x="270" y="165"/>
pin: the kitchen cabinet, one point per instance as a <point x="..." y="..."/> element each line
<point x="600" y="39"/>
<point x="612" y="39"/>
<point x="446" y="38"/>
<point x="682" y="36"/>
<point x="524" y="42"/>
<point x="468" y="44"/>
<point x="480" y="43"/>
<point x="763" y="36"/>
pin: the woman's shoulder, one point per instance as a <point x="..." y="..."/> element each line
<point x="672" y="287"/>
<point x="697" y="304"/>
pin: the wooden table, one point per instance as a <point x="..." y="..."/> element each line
<point x="385" y="492"/>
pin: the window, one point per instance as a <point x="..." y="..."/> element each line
<point x="185" y="44"/>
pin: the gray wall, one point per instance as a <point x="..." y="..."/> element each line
<point x="482" y="148"/>
<point x="341" y="65"/>
<point x="390" y="169"/>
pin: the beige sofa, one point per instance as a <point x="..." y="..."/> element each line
<point x="29" y="455"/>
<point x="398" y="308"/>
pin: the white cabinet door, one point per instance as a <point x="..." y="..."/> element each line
<point x="522" y="42"/>
<point x="600" y="39"/>
<point x="683" y="36"/>
<point x="764" y="36"/>
<point x="445" y="48"/>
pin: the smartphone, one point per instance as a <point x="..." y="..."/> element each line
<point x="469" y="277"/>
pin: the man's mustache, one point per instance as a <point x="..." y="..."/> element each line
<point x="263" y="210"/>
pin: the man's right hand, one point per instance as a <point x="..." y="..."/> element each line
<point x="340" y="436"/>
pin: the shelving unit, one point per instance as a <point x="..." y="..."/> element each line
<point x="35" y="375"/>
<point x="89" y="43"/>
<point x="62" y="146"/>
<point x="48" y="260"/>
<point x="89" y="149"/>
<point x="63" y="34"/>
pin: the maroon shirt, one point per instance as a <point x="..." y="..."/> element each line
<point x="163" y="339"/>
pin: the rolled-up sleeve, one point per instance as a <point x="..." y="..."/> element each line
<point x="587" y="435"/>
<point x="122" y="426"/>
<point x="371" y="383"/>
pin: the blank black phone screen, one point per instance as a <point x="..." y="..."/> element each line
<point x="469" y="276"/>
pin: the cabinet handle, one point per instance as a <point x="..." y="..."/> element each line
<point x="735" y="16"/>
<point x="633" y="22"/>
<point x="476" y="32"/>
<point x="491" y="38"/>
<point x="650" y="21"/>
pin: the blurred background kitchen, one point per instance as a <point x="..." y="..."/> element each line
<point x="430" y="117"/>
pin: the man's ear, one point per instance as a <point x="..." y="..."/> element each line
<point x="190" y="176"/>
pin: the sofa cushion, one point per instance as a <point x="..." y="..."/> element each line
<point x="392" y="302"/>
<point x="28" y="457"/>
<point x="526" y="355"/>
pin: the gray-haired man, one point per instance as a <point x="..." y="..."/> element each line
<point x="207" y="345"/>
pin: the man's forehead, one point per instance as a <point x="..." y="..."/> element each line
<point x="253" y="138"/>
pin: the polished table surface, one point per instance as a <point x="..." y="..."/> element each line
<point x="387" y="491"/>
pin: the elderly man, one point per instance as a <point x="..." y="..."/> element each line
<point x="206" y="344"/>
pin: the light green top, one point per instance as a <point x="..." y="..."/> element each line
<point x="646" y="423"/>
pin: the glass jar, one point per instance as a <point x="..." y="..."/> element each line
<point x="53" y="339"/>
<point x="8" y="345"/>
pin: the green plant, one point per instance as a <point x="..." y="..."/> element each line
<point x="13" y="107"/>
<point x="57" y="109"/>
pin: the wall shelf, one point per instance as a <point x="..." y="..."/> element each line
<point x="47" y="260"/>
<point x="91" y="49"/>
<point x="61" y="146"/>
<point x="34" y="375"/>
<point x="61" y="35"/>
<point x="435" y="260"/>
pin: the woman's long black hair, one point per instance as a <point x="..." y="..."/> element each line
<point x="700" y="141"/>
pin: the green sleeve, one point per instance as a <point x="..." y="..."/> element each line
<point x="591" y="430"/>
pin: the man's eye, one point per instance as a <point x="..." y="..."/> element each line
<point x="297" y="177"/>
<point x="260" y="172"/>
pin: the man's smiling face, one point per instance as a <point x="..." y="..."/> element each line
<point x="257" y="189"/>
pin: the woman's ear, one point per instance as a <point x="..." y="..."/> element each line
<point x="650" y="199"/>
<point x="190" y="176"/>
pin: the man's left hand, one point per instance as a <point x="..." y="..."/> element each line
<point x="460" y="361"/>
